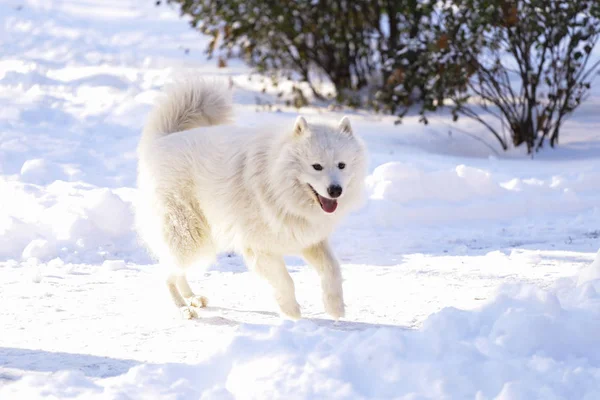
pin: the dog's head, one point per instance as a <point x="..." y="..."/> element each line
<point x="328" y="164"/>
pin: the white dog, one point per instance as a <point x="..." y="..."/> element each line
<point x="207" y="186"/>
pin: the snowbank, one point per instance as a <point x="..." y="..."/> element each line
<point x="591" y="273"/>
<point x="74" y="221"/>
<point x="402" y="192"/>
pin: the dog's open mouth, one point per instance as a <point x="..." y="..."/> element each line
<point x="328" y="205"/>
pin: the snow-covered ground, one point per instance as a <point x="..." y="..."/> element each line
<point x="469" y="273"/>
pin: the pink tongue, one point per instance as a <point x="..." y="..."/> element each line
<point x="327" y="205"/>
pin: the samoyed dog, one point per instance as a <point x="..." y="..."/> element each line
<point x="209" y="186"/>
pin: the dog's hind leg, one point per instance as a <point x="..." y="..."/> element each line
<point x="272" y="268"/>
<point x="321" y="257"/>
<point x="187" y="238"/>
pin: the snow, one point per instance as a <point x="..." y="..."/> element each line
<point x="468" y="273"/>
<point x="591" y="273"/>
<point x="525" y="343"/>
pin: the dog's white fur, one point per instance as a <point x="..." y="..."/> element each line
<point x="207" y="186"/>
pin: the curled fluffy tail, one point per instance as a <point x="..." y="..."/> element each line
<point x="190" y="104"/>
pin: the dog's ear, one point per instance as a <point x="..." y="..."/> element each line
<point x="301" y="127"/>
<point x="345" y="126"/>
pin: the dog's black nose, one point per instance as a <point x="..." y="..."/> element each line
<point x="334" y="191"/>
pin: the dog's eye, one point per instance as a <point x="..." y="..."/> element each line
<point x="341" y="165"/>
<point x="317" y="167"/>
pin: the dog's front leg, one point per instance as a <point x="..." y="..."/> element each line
<point x="321" y="257"/>
<point x="272" y="268"/>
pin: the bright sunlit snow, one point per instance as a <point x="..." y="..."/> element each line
<point x="468" y="274"/>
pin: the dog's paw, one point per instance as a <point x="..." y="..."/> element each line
<point x="188" y="312"/>
<point x="334" y="305"/>
<point x="198" y="301"/>
<point x="291" y="310"/>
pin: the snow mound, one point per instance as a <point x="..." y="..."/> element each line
<point x="114" y="265"/>
<point x="590" y="273"/>
<point x="69" y="220"/>
<point x="405" y="192"/>
<point x="41" y="172"/>
<point x="404" y="183"/>
<point x="525" y="343"/>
